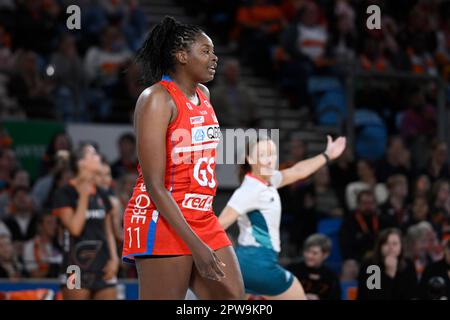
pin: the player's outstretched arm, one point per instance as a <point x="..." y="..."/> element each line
<point x="303" y="169"/>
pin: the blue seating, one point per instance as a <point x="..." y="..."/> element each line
<point x="331" y="107"/>
<point x="330" y="227"/>
<point x="318" y="84"/>
<point x="372" y="135"/>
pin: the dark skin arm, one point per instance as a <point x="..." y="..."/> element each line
<point x="155" y="110"/>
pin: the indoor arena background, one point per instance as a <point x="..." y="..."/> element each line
<point x="307" y="68"/>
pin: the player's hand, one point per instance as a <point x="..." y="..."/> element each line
<point x="83" y="187"/>
<point x="335" y="148"/>
<point x="208" y="263"/>
<point x="110" y="269"/>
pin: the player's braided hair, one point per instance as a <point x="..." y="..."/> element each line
<point x="156" y="57"/>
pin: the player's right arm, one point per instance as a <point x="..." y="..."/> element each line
<point x="73" y="220"/>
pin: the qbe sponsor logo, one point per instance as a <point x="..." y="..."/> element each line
<point x="196" y="201"/>
<point x="205" y="134"/>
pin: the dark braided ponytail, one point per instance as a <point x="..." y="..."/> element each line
<point x="156" y="57"/>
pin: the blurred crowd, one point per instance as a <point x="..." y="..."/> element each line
<point x="351" y="214"/>
<point x="50" y="72"/>
<point x="360" y="204"/>
<point x="30" y="235"/>
<point x="297" y="39"/>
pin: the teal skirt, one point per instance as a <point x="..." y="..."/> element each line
<point x="261" y="271"/>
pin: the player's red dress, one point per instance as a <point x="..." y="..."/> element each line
<point x="191" y="142"/>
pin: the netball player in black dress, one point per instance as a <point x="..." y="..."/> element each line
<point x="88" y="240"/>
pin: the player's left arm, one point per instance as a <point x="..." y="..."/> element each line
<point x="227" y="217"/>
<point x="112" y="266"/>
<point x="303" y="169"/>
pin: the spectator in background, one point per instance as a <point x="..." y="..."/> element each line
<point x="71" y="79"/>
<point x="373" y="57"/>
<point x="297" y="219"/>
<point x="30" y="88"/>
<point x="297" y="150"/>
<point x="440" y="269"/>
<point x="22" y="219"/>
<point x="324" y="199"/>
<point x="124" y="189"/>
<point x="60" y="141"/>
<point x="115" y="10"/>
<point x="105" y="181"/>
<point x="19" y="178"/>
<point x="128" y="16"/>
<point x="219" y="17"/>
<point x="36" y="24"/>
<point x="6" y="56"/>
<point x="41" y="255"/>
<point x="398" y="277"/>
<point x="291" y="7"/>
<point x="440" y="209"/>
<point x="419" y="211"/>
<point x="360" y="228"/>
<point x="421" y="60"/>
<point x="7" y="165"/>
<point x="93" y="20"/>
<point x="417" y="246"/>
<point x="394" y="213"/>
<point x="102" y="65"/>
<point x="343" y="172"/>
<point x="10" y="108"/>
<point x="234" y="103"/>
<point x="44" y="197"/>
<point x="389" y="35"/>
<point x="349" y="271"/>
<point x="396" y="161"/>
<point x="127" y="162"/>
<point x="124" y="100"/>
<point x="134" y="24"/>
<point x="420" y="41"/>
<point x="422" y="186"/>
<point x="5" y="140"/>
<point x="318" y="281"/>
<point x="258" y="27"/>
<point x="349" y="279"/>
<point x="4" y="231"/>
<point x="59" y="175"/>
<point x="10" y="268"/>
<point x="419" y="118"/>
<point x="343" y="41"/>
<point x="367" y="181"/>
<point x="305" y="42"/>
<point x="437" y="167"/>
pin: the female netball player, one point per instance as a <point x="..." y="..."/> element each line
<point x="170" y="229"/>
<point x="257" y="208"/>
<point x="85" y="214"/>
